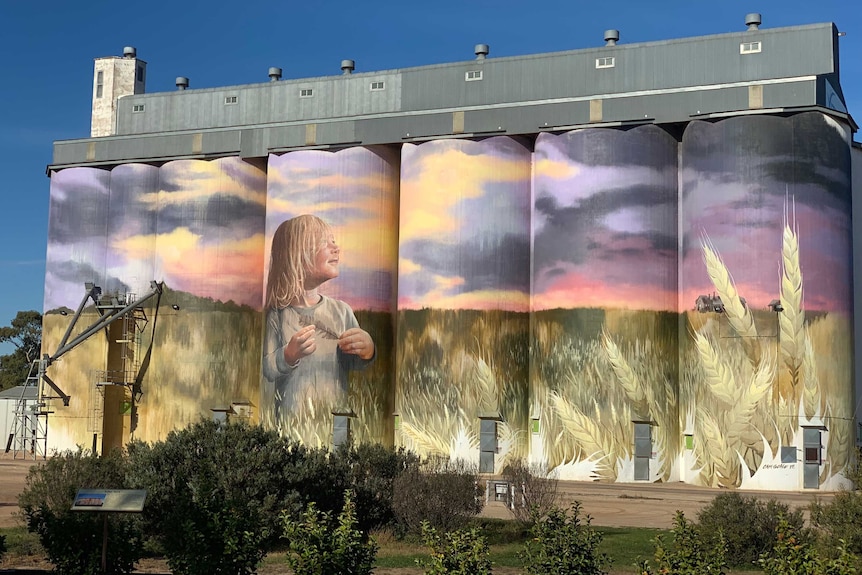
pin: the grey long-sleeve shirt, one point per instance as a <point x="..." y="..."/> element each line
<point x="321" y="376"/>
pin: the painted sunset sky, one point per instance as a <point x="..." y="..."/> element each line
<point x="196" y="225"/>
<point x="356" y="192"/>
<point x="605" y="220"/>
<point x="465" y="225"/>
<point x="738" y="176"/>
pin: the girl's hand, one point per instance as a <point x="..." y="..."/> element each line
<point x="357" y="341"/>
<point x="300" y="345"/>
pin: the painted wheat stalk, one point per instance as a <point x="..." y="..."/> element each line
<point x="838" y="449"/>
<point x="720" y="463"/>
<point x="597" y="444"/>
<point x="738" y="315"/>
<point x="625" y="374"/>
<point x="485" y="385"/>
<point x="741" y="434"/>
<point x="423" y="441"/>
<point x="791" y="321"/>
<point x="811" y="397"/>
<point x="718" y="375"/>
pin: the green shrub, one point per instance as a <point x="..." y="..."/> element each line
<point x="442" y="493"/>
<point x="747" y="525"/>
<point x="461" y="552"/>
<point x="842" y="517"/>
<point x="317" y="545"/>
<point x="370" y="471"/>
<point x="687" y="553"/>
<point x="792" y="555"/>
<point x="215" y="493"/>
<point x="73" y="539"/>
<point x="3" y="548"/>
<point x="562" y="544"/>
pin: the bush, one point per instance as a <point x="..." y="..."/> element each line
<point x="535" y="490"/>
<point x="842" y="517"/>
<point x="461" y="552"/>
<point x="73" y="539"/>
<point x="3" y="547"/>
<point x="442" y="493"/>
<point x="688" y="553"/>
<point x="319" y="546"/>
<point x="215" y="493"/>
<point x="747" y="525"/>
<point x="560" y="545"/>
<point x="370" y="471"/>
<point x="792" y="555"/>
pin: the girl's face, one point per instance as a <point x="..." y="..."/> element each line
<point x="325" y="265"/>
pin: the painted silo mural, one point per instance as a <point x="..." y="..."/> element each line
<point x="197" y="227"/>
<point x="77" y="250"/>
<point x="208" y="251"/>
<point x="604" y="361"/>
<point x="766" y="294"/>
<point x="331" y="245"/>
<point x="463" y="300"/>
<point x="610" y="305"/>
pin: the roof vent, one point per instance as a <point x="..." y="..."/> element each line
<point x="753" y="21"/>
<point x="612" y="37"/>
<point x="130" y="52"/>
<point x="274" y="74"/>
<point x="481" y="51"/>
<point x="347" y="66"/>
<point x="182" y="82"/>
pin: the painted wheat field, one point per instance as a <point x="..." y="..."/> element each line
<point x="454" y="366"/>
<point x="370" y="397"/>
<point x="205" y="356"/>
<point x="751" y="380"/>
<point x="587" y="375"/>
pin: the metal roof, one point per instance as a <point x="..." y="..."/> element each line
<point x="779" y="70"/>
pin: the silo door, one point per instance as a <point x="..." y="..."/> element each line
<point x="643" y="450"/>
<point x="812" y="460"/>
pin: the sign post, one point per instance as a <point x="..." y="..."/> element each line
<point x="109" y="500"/>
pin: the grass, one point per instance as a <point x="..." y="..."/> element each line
<point x="21" y="543"/>
<point x="506" y="539"/>
<point x="624" y="545"/>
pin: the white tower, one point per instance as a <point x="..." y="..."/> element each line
<point x="114" y="77"/>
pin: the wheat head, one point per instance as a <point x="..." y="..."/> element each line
<point x="738" y="315"/>
<point x="811" y="384"/>
<point x="596" y="443"/>
<point x="714" y="454"/>
<point x="625" y="374"/>
<point x="485" y="383"/>
<point x="423" y="441"/>
<point x="791" y="321"/>
<point x="718" y="375"/>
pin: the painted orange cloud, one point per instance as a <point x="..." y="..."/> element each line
<point x="444" y="179"/>
<point x="234" y="267"/>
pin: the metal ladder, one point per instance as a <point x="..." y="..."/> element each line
<point x="133" y="322"/>
<point x="29" y="436"/>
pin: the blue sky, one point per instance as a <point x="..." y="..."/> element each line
<point x="47" y="50"/>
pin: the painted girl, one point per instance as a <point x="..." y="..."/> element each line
<point x="312" y="341"/>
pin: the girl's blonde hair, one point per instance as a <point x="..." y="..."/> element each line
<point x="295" y="243"/>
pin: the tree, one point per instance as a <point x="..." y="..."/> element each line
<point x="25" y="334"/>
